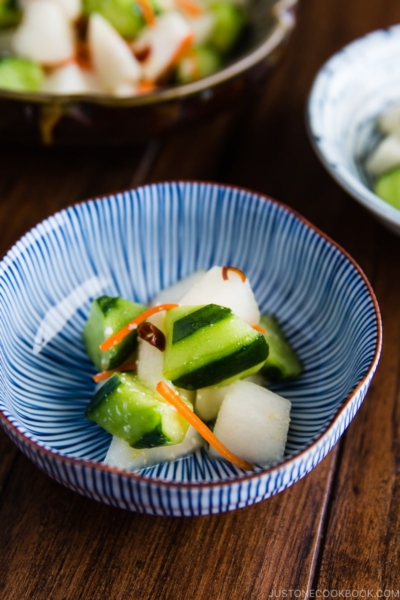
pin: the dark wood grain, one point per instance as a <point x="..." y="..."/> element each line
<point x="337" y="529"/>
<point x="55" y="544"/>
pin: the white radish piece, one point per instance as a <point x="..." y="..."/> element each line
<point x="253" y="423"/>
<point x="66" y="80"/>
<point x="209" y="400"/>
<point x="175" y="292"/>
<point x="164" y="40"/>
<point x="202" y="27"/>
<point x="113" y="60"/>
<point x="389" y="121"/>
<point x="121" y="455"/>
<point x="150" y="359"/>
<point x="232" y="293"/>
<point x="386" y="156"/>
<point x="71" y="8"/>
<point x="44" y="34"/>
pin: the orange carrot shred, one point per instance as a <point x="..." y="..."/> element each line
<point x="170" y="396"/>
<point x="145" y="87"/>
<point x="225" y="273"/>
<point x="148" y="12"/>
<point x="190" y="7"/>
<point x="182" y="49"/>
<point x="129" y="366"/>
<point x="259" y="328"/>
<point x="117" y="337"/>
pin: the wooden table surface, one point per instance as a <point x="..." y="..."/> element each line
<point x="337" y="531"/>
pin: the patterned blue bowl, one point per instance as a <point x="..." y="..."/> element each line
<point x="134" y="244"/>
<point x="350" y="91"/>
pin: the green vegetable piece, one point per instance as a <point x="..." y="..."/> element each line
<point x="282" y="361"/>
<point x="210" y="346"/>
<point x="200" y="62"/>
<point x="124" y="15"/>
<point x="387" y="187"/>
<point x="107" y="316"/>
<point x="20" y="75"/>
<point x="10" y="14"/>
<point x="229" y="24"/>
<point x="128" y="409"/>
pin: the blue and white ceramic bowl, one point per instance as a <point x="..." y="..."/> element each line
<point x="134" y="244"/>
<point x="350" y="91"/>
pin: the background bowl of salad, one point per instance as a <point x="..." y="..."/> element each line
<point x="350" y="94"/>
<point x="133" y="245"/>
<point x="121" y="71"/>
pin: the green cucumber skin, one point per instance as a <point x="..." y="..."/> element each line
<point x="209" y="355"/>
<point x="203" y="317"/>
<point x="102" y="394"/>
<point x="282" y="362"/>
<point x="128" y="409"/>
<point x="244" y="362"/>
<point x="114" y="314"/>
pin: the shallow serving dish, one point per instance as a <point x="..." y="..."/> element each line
<point x="90" y="119"/>
<point x="350" y="91"/>
<point x="134" y="244"/>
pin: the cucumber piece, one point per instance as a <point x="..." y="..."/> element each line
<point x="282" y="361"/>
<point x="387" y="187"/>
<point x="208" y="346"/>
<point x="130" y="410"/>
<point x="229" y="24"/>
<point x="10" y="14"/>
<point x="107" y="316"/>
<point x="199" y="62"/>
<point x="253" y="423"/>
<point x="20" y="75"/>
<point x="124" y="15"/>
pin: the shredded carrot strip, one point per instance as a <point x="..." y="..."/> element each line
<point x="116" y="338"/>
<point x="129" y="366"/>
<point x="259" y="328"/>
<point x="170" y="396"/>
<point x="145" y="86"/>
<point x="225" y="273"/>
<point x="148" y="12"/>
<point x="190" y="7"/>
<point x="182" y="49"/>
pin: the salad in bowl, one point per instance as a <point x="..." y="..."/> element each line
<point x="122" y="48"/>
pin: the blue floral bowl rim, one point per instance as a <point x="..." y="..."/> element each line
<point x="62" y="458"/>
<point x="347" y="181"/>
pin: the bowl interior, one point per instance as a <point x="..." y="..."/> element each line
<point x="350" y="91"/>
<point x="136" y="243"/>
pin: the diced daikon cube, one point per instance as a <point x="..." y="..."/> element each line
<point x="71" y="8"/>
<point x="66" y="80"/>
<point x="232" y="293"/>
<point x="389" y="121"/>
<point x="253" y="423"/>
<point x="164" y="40"/>
<point x="386" y="156"/>
<point x="113" y="60"/>
<point x="44" y="35"/>
<point x="209" y="400"/>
